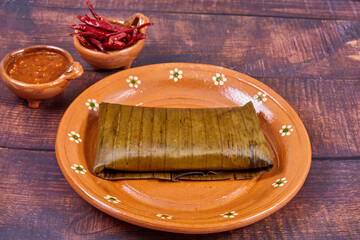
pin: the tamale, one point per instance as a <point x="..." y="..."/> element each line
<point x="136" y="142"/>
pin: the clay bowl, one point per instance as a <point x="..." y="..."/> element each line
<point x="34" y="93"/>
<point x="114" y="59"/>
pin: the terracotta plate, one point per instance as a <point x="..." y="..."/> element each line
<point x="185" y="206"/>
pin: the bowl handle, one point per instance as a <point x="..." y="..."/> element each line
<point x="139" y="19"/>
<point x="136" y="19"/>
<point x="75" y="71"/>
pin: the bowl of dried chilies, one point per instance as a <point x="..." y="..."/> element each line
<point x="106" y="43"/>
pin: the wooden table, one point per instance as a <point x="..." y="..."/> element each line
<point x="307" y="51"/>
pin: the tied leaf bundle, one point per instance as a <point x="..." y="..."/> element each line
<point x="176" y="143"/>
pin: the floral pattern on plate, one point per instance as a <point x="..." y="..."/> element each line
<point x="111" y="199"/>
<point x="92" y="104"/>
<point x="229" y="214"/>
<point x="73" y="136"/>
<point x="175" y="74"/>
<point x="219" y="79"/>
<point x="78" y="169"/>
<point x="164" y="216"/>
<point x="279" y="182"/>
<point x="133" y="81"/>
<point x="286" y="130"/>
<point x="260" y="97"/>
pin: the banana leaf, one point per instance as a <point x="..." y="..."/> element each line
<point x="136" y="142"/>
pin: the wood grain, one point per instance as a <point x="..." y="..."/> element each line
<point x="37" y="202"/>
<point x="321" y="9"/>
<point x="257" y="46"/>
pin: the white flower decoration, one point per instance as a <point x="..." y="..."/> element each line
<point x="175" y="74"/>
<point x="219" y="79"/>
<point x="112" y="199"/>
<point x="164" y="216"/>
<point x="92" y="104"/>
<point x="74" y="137"/>
<point x="286" y="130"/>
<point x="133" y="81"/>
<point x="229" y="214"/>
<point x="79" y="169"/>
<point x="260" y="97"/>
<point x="279" y="182"/>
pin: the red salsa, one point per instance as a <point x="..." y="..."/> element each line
<point x="39" y="67"/>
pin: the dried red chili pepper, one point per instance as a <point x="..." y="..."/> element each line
<point x="128" y="37"/>
<point x="120" y="43"/>
<point x="116" y="46"/>
<point x="85" y="43"/>
<point x="120" y="28"/>
<point x="87" y="28"/>
<point x="111" y="34"/>
<point x="133" y="38"/>
<point x="108" y="47"/>
<point x="96" y="23"/>
<point x="117" y="37"/>
<point x="144" y="25"/>
<point x="141" y="36"/>
<point x="97" y="44"/>
<point x="85" y="34"/>
<point x="97" y="16"/>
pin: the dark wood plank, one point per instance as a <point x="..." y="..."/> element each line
<point x="24" y="127"/>
<point x="36" y="202"/>
<point x="261" y="47"/>
<point x="321" y="9"/>
<point x="329" y="109"/>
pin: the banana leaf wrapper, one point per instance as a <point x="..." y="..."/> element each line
<point x="176" y="143"/>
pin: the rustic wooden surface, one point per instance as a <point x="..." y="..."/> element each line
<point x="307" y="51"/>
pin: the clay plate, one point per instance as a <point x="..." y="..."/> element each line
<point x="185" y="206"/>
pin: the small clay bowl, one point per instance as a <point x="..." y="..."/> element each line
<point x="114" y="59"/>
<point x="34" y="93"/>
